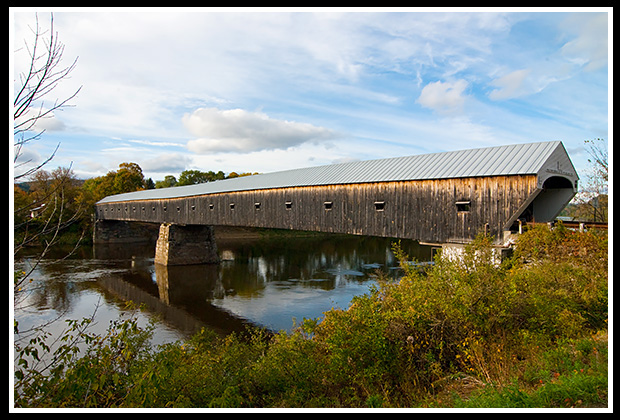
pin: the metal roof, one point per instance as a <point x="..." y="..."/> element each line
<point x="518" y="159"/>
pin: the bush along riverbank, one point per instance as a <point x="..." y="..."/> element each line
<point x="531" y="332"/>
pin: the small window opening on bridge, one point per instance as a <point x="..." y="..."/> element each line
<point x="178" y="208"/>
<point x="232" y="206"/>
<point x="328" y="205"/>
<point x="463" y="206"/>
<point x="211" y="206"/>
<point x="256" y="206"/>
<point x="193" y="207"/>
<point x="379" y="205"/>
<point x="289" y="205"/>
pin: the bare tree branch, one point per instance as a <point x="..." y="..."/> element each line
<point x="591" y="203"/>
<point x="42" y="77"/>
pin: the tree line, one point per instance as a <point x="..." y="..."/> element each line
<point x="52" y="200"/>
<point x="193" y="176"/>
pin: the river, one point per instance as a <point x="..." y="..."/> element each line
<point x="269" y="279"/>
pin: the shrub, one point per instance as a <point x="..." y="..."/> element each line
<point x="470" y="315"/>
<point x="83" y="369"/>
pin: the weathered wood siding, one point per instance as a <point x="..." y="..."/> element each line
<point x="425" y="210"/>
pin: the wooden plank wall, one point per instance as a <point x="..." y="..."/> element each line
<point x="421" y="210"/>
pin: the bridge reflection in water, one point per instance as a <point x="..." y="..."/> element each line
<point x="264" y="282"/>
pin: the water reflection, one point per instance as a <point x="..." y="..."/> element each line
<point x="271" y="282"/>
<point x="264" y="281"/>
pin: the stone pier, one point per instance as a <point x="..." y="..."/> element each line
<point x="186" y="244"/>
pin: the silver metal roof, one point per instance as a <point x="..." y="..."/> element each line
<point x="518" y="159"/>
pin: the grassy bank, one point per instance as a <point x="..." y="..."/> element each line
<point x="530" y="332"/>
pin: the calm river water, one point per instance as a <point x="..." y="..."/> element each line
<point x="266" y="279"/>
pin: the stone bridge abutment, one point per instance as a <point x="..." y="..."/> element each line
<point x="175" y="244"/>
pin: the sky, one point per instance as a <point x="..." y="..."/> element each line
<point x="264" y="90"/>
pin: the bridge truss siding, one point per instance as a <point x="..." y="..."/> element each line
<point x="440" y="210"/>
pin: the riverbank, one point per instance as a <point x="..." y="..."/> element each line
<point x="531" y="333"/>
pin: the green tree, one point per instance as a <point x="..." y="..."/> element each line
<point x="192" y="176"/>
<point x="128" y="178"/>
<point x="169" y="181"/>
<point x="94" y="189"/>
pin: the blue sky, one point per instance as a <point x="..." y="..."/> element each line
<point x="262" y="90"/>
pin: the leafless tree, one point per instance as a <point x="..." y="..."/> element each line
<point x="591" y="203"/>
<point x="599" y="159"/>
<point x="33" y="89"/>
<point x="44" y="74"/>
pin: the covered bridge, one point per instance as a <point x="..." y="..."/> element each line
<point x="438" y="198"/>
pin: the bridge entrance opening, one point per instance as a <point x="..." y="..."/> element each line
<point x="545" y="205"/>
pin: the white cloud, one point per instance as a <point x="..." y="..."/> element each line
<point x="445" y="97"/>
<point x="510" y="85"/>
<point x="590" y="47"/>
<point x="169" y="163"/>
<point x="244" y="131"/>
<point x="157" y="143"/>
<point x="44" y="120"/>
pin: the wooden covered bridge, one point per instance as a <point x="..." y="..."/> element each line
<point x="434" y="198"/>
